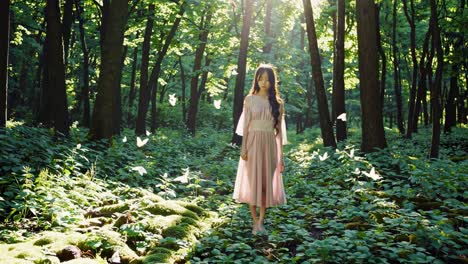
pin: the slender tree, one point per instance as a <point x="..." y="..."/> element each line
<point x="422" y="90"/>
<point x="241" y="69"/>
<point x="373" y="135"/>
<point x="4" y="45"/>
<point x="131" y="95"/>
<point x="67" y="26"/>
<point x="194" y="99"/>
<point x="182" y="79"/>
<point x="383" y="58"/>
<point x="85" y="90"/>
<point x="411" y="17"/>
<point x="144" y="90"/>
<point x="435" y="91"/>
<point x="450" y="105"/>
<point x="117" y="123"/>
<point x="325" y="123"/>
<point x="54" y="104"/>
<point x="338" y="97"/>
<point x="112" y="48"/>
<point x="153" y="82"/>
<point x="267" y="25"/>
<point x="396" y="72"/>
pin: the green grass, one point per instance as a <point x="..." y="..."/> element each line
<point x="82" y="193"/>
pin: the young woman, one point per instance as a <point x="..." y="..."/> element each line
<point x="259" y="180"/>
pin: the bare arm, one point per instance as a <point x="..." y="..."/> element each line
<point x="245" y="132"/>
<point x="279" y="139"/>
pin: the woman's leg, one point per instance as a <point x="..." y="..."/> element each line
<point x="260" y="219"/>
<point x="253" y="212"/>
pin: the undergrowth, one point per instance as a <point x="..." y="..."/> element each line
<point x="167" y="197"/>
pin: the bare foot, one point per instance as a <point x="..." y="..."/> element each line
<point x="254" y="228"/>
<point x="260" y="228"/>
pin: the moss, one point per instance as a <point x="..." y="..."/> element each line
<point x="157" y="258"/>
<point x="170" y="208"/>
<point x="126" y="253"/>
<point x="43" y="241"/>
<point x="188" y="220"/>
<point x="123" y="219"/>
<point x="158" y="223"/>
<point x="153" y="197"/>
<point x="23" y="255"/>
<point x="160" y="250"/>
<point x="179" y="231"/>
<point x="114" y="208"/>
<point x="195" y="208"/>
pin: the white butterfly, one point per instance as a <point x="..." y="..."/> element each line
<point x="183" y="178"/>
<point x="78" y="146"/>
<point x="217" y="104"/>
<point x="342" y="117"/>
<point x="140" y="170"/>
<point x="351" y="153"/>
<point x="324" y="156"/>
<point x="372" y="174"/>
<point x="148" y="133"/>
<point x="124" y="139"/>
<point x="172" y="99"/>
<point x="141" y="143"/>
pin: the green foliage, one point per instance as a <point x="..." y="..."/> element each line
<point x="339" y="211"/>
<point x="393" y="204"/>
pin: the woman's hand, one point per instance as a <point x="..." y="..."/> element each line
<point x="244" y="156"/>
<point x="280" y="165"/>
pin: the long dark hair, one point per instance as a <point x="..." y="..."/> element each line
<point x="273" y="93"/>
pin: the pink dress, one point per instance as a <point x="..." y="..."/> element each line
<point x="259" y="175"/>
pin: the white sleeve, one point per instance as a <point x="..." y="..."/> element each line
<point x="240" y="125"/>
<point x="283" y="130"/>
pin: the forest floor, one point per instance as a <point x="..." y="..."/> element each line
<point x="169" y="200"/>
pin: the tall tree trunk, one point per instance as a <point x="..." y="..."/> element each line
<point x="112" y="48"/>
<point x="4" y="45"/>
<point x="202" y="88"/>
<point x="396" y="72"/>
<point x="460" y="94"/>
<point x="450" y="106"/>
<point x="383" y="75"/>
<point x="422" y="78"/>
<point x="131" y="95"/>
<point x="67" y="26"/>
<point x="435" y="92"/>
<point x="241" y="68"/>
<point x="182" y="99"/>
<point x="308" y="83"/>
<point x="153" y="82"/>
<point x="325" y="123"/>
<point x="373" y="135"/>
<point x="428" y="82"/>
<point x="267" y="24"/>
<point x="193" y="107"/>
<point x="54" y="110"/>
<point x="338" y="96"/>
<point x="410" y="17"/>
<point x="145" y="92"/>
<point x="84" y="48"/>
<point x="118" y="98"/>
